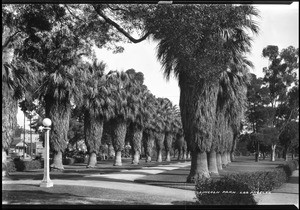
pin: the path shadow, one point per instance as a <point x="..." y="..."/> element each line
<point x="28" y="196"/>
<point x="184" y="203"/>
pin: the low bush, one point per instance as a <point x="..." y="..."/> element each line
<point x="240" y="187"/>
<point x="27" y="165"/>
<point x="265" y="181"/>
<point x="10" y="167"/>
<point x="224" y="191"/>
<point x="68" y="161"/>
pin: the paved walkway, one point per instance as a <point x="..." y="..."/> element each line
<point x="106" y="181"/>
<point x="132" y="175"/>
<point x="287" y="194"/>
<point x="130" y="181"/>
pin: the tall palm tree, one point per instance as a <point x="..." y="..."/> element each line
<point x="172" y="124"/>
<point x="119" y="83"/>
<point x="59" y="87"/>
<point x="148" y="138"/>
<point x="16" y="77"/>
<point x="97" y="107"/>
<point x="231" y="104"/>
<point x="197" y="43"/>
<point x="141" y="113"/>
<point x="161" y="118"/>
<point x="180" y="145"/>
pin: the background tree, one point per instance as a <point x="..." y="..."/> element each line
<point x="280" y="75"/>
<point x="140" y="112"/>
<point x="59" y="51"/>
<point x="97" y="107"/>
<point x="172" y="124"/>
<point x="17" y="24"/>
<point x="289" y="138"/>
<point x="120" y="85"/>
<point x="149" y="127"/>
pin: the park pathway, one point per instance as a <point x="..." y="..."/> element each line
<point x="287" y="194"/>
<point x="132" y="175"/>
<point x="125" y="181"/>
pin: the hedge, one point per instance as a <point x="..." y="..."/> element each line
<point x="10" y="167"/>
<point x="242" y="185"/>
<point x="224" y="191"/>
<point x="20" y="165"/>
<point x="68" y="161"/>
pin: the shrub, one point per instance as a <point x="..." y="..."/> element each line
<point x="224" y="191"/>
<point x="27" y="165"/>
<point x="68" y="161"/>
<point x="10" y="167"/>
<point x="264" y="181"/>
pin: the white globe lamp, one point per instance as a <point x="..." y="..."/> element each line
<point x="47" y="122"/>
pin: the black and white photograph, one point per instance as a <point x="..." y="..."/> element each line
<point x="150" y="105"/>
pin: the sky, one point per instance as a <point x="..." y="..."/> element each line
<point x="279" y="25"/>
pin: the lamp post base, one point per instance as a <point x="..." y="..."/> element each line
<point x="46" y="184"/>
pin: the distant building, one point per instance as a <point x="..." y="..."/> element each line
<point x="32" y="144"/>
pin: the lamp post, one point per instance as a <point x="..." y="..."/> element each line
<point x="46" y="182"/>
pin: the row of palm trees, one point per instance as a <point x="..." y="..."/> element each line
<point x="203" y="45"/>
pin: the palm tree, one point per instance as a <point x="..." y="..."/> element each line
<point x="180" y="145"/>
<point x="148" y="138"/>
<point x="197" y="43"/>
<point x="141" y="113"/>
<point x="119" y="83"/>
<point x="231" y="103"/>
<point x="172" y="124"/>
<point x="59" y="87"/>
<point x="97" y="107"/>
<point x="161" y="119"/>
<point x="16" y="77"/>
<point x="107" y="139"/>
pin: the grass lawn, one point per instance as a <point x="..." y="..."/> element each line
<point x="69" y="195"/>
<point x="74" y="195"/>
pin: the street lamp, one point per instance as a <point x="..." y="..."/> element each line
<point x="46" y="182"/>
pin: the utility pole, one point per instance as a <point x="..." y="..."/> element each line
<point x="24" y="138"/>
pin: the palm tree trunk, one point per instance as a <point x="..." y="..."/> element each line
<point x="219" y="161"/>
<point x="4" y="164"/>
<point x="228" y="157"/>
<point x="184" y="154"/>
<point x="188" y="155"/>
<point x="224" y="159"/>
<point x="212" y="162"/>
<point x="9" y="117"/>
<point x="159" y="139"/>
<point x="93" y="130"/>
<point x="59" y="114"/>
<point x="148" y="141"/>
<point x="179" y="154"/>
<point x="57" y="161"/>
<point x="119" y="127"/>
<point x="118" y="158"/>
<point x="168" y="145"/>
<point x="199" y="167"/>
<point x="232" y="157"/>
<point x="136" y="143"/>
<point x="198" y="100"/>
<point x="111" y="151"/>
<point x="273" y="147"/>
<point x="92" y="160"/>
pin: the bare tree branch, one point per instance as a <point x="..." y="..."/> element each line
<point x="114" y="24"/>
